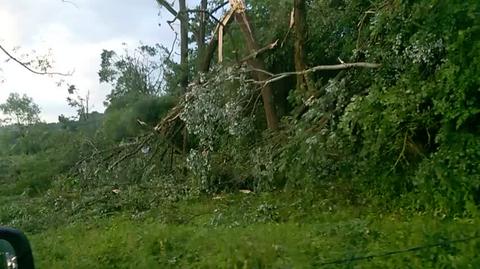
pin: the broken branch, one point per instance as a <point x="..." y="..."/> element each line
<point x="341" y="66"/>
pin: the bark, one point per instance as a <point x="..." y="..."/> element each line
<point x="183" y="16"/>
<point x="201" y="32"/>
<point x="208" y="56"/>
<point x="210" y="50"/>
<point x="304" y="84"/>
<point x="267" y="92"/>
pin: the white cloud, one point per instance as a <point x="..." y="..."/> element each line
<point x="76" y="37"/>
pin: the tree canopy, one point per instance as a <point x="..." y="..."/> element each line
<point x="20" y="110"/>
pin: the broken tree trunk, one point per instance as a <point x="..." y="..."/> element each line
<point x="267" y="93"/>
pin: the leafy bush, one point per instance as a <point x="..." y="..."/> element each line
<point x="449" y="180"/>
<point x="123" y="115"/>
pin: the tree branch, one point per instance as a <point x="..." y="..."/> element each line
<point x="260" y="51"/>
<point x="341" y="66"/>
<point x="219" y="7"/>
<point x="30" y="69"/>
<point x="206" y="12"/>
<point x="170" y="9"/>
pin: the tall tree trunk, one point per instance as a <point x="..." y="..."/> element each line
<point x="304" y="84"/>
<point x="267" y="93"/>
<point x="201" y="33"/>
<point x="183" y="16"/>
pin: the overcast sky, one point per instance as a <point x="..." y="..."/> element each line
<point x="76" y="34"/>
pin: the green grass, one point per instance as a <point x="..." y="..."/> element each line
<point x="276" y="230"/>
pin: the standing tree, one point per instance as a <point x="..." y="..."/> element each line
<point x="304" y="84"/>
<point x="182" y="15"/>
<point x="202" y="31"/>
<point x="20" y="110"/>
<point x="80" y="103"/>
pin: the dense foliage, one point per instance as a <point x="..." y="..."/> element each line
<point x="397" y="142"/>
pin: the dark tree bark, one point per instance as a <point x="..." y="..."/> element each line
<point x="208" y="55"/>
<point x="210" y="51"/>
<point x="201" y="32"/>
<point x="304" y="84"/>
<point x="183" y="16"/>
<point x="267" y="92"/>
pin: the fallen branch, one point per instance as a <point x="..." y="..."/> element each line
<point x="341" y="66"/>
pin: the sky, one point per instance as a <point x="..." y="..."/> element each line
<point x="76" y="34"/>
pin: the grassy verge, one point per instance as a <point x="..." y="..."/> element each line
<point x="276" y="230"/>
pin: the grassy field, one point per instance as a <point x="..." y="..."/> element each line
<point x="275" y="230"/>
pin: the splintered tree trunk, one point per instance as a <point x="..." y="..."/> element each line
<point x="304" y="84"/>
<point x="207" y="56"/>
<point x="267" y="93"/>
<point x="209" y="52"/>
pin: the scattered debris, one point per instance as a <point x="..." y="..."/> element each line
<point x="246" y="191"/>
<point x="116" y="191"/>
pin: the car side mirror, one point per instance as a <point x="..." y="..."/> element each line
<point x="15" y="251"/>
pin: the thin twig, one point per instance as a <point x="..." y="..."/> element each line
<point x="290" y="27"/>
<point x="173" y="46"/>
<point x="360" y="25"/>
<point x="402" y="153"/>
<point x="261" y="71"/>
<point x="208" y="13"/>
<point x="256" y="102"/>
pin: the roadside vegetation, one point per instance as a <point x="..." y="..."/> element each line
<point x="343" y="135"/>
